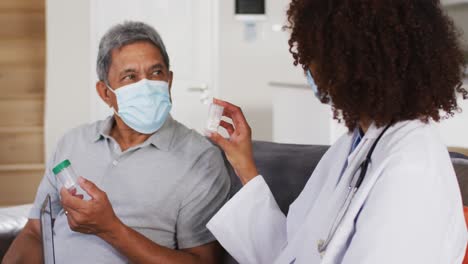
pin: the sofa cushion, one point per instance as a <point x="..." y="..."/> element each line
<point x="461" y="169"/>
<point x="12" y="220"/>
<point x="285" y="167"/>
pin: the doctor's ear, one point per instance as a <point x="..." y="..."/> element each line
<point x="104" y="92"/>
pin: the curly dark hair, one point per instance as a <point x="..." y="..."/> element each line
<point x="382" y="60"/>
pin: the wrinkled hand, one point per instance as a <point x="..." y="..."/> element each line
<point x="94" y="216"/>
<point x="238" y="147"/>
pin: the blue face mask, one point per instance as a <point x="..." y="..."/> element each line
<point x="312" y="84"/>
<point x="144" y="106"/>
<point x="314" y="87"/>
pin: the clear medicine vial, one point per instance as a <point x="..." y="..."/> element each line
<point x="66" y="175"/>
<point x="215" y="113"/>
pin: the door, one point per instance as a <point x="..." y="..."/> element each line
<point x="188" y="30"/>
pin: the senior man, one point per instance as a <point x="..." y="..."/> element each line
<point x="150" y="184"/>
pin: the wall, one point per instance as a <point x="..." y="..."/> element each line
<point x="22" y="79"/>
<point x="74" y="29"/>
<point x="455" y="130"/>
<point x="299" y="118"/>
<point x="187" y="28"/>
<point x="67" y="77"/>
<point x="246" y="67"/>
<point x="459" y="13"/>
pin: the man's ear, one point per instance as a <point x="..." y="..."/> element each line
<point x="103" y="92"/>
<point x="171" y="77"/>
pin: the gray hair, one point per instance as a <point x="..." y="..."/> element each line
<point x="123" y="34"/>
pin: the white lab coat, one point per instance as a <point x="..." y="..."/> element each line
<point x="408" y="209"/>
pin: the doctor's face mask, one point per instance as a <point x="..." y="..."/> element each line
<point x="314" y="87"/>
<point x="144" y="106"/>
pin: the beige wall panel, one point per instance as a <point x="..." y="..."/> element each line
<point x="22" y="81"/>
<point x="21" y="51"/>
<point x="463" y="151"/>
<point x="22" y="25"/>
<point x="21" y="147"/>
<point x="19" y="187"/>
<point x="21" y="113"/>
<point x="22" y="4"/>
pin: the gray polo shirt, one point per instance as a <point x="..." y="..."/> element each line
<point x="167" y="188"/>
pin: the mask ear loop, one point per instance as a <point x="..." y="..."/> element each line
<point x="112" y="90"/>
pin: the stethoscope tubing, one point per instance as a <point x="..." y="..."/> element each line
<point x="353" y="188"/>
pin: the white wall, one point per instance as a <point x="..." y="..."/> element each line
<point x="454" y="131"/>
<point x="187" y="28"/>
<point x="74" y="29"/>
<point x="299" y="118"/>
<point x="246" y="67"/>
<point x="67" y="63"/>
<point x="459" y="14"/>
<point x="453" y="2"/>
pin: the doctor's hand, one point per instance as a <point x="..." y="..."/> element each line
<point x="94" y="216"/>
<point x="238" y="147"/>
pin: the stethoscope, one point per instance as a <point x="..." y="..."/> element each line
<point x="354" y="185"/>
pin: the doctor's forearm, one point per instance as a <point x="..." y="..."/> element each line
<point x="139" y="249"/>
<point x="246" y="170"/>
<point x="258" y="234"/>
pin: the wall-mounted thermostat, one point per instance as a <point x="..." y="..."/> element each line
<point x="250" y="10"/>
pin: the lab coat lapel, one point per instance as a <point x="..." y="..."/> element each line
<point x="302" y="226"/>
<point x="324" y="174"/>
<point x="338" y="244"/>
<point x="303" y="215"/>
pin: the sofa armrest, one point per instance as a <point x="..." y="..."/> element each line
<point x="12" y="221"/>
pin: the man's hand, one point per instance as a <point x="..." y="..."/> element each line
<point x="97" y="217"/>
<point x="94" y="216"/>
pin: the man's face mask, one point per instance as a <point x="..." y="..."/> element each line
<point x="144" y="105"/>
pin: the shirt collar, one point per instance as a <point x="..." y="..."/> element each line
<point x="103" y="129"/>
<point x="161" y="139"/>
<point x="357" y="137"/>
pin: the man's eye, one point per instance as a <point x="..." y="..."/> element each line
<point x="157" y="73"/>
<point x="129" y="77"/>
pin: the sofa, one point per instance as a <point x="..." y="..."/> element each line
<point x="286" y="169"/>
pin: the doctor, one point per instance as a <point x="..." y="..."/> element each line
<point x="385" y="192"/>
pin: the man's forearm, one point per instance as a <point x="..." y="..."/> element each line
<point x="96" y="216"/>
<point x="26" y="248"/>
<point x="139" y="249"/>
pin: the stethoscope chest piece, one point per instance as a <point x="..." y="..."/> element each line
<point x="321" y="247"/>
